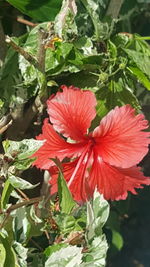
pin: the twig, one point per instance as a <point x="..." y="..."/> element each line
<point x="24" y="203"/>
<point x="36" y="244"/>
<point x="21" y="51"/>
<point x="5" y="127"/>
<point x="22" y="194"/>
<point x="26" y="22"/>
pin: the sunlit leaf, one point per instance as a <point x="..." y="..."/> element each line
<point x="21" y="254"/>
<point x="17" y="182"/>
<point x="97" y="215"/>
<point x="70" y="256"/>
<point x="7" y="190"/>
<point x="2" y="254"/>
<point x="96" y="255"/>
<point x="56" y="247"/>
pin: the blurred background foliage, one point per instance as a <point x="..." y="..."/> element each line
<point x="101" y="45"/>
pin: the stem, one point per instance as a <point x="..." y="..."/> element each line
<point x="24" y="203"/>
<point x="22" y="194"/>
<point x="26" y="22"/>
<point x="142" y="38"/>
<point x="19" y="205"/>
<point x="5" y="127"/>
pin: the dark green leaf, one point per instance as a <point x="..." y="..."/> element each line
<point x="45" y="10"/>
<point x="141" y="60"/>
<point x="117" y="93"/>
<point x="8" y="76"/>
<point x="140" y="76"/>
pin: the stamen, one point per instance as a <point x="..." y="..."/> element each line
<point x="82" y="157"/>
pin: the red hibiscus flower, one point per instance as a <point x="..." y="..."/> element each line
<point x="105" y="158"/>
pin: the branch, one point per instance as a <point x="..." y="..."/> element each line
<point x="42" y="35"/>
<point x="26" y="22"/>
<point x="5" y="127"/>
<point x="21" y="51"/>
<point x="18" y="205"/>
<point x="114" y="8"/>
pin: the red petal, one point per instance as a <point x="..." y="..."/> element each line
<point x="72" y="111"/>
<point x="79" y="186"/>
<point x="53" y="147"/>
<point x="114" y="183"/>
<point x="119" y="138"/>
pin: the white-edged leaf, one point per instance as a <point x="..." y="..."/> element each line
<point x="20" y="183"/>
<point x="66" y="257"/>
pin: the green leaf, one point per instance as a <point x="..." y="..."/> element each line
<point x="20" y="151"/>
<point x="70" y="256"/>
<point x="100" y="208"/>
<point x="117" y="93"/>
<point x="21" y="225"/>
<point x="7" y="190"/>
<point x="24" y="227"/>
<point x="112" y="49"/>
<point x="9" y="256"/>
<point x="9" y="73"/>
<point x="68" y="223"/>
<point x="56" y="247"/>
<point x="140" y="76"/>
<point x="95" y="10"/>
<point x="117" y="240"/>
<point x="65" y="198"/>
<point x="23" y="149"/>
<point x="17" y="182"/>
<point x="2" y="254"/>
<point x="39" y="10"/>
<point x="141" y="60"/>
